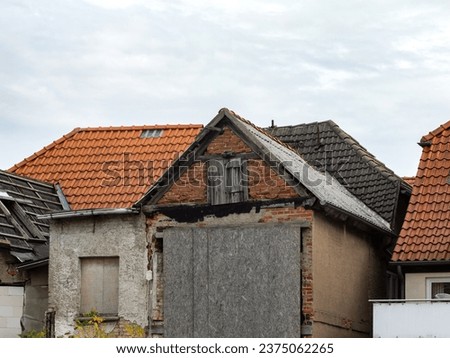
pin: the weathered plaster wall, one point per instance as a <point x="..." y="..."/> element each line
<point x="416" y="283"/>
<point x="5" y="277"/>
<point x="347" y="272"/>
<point x="35" y="299"/>
<point x="120" y="235"/>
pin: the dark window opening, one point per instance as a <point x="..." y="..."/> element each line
<point x="227" y="181"/>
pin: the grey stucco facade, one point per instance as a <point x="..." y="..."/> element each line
<point x="120" y="236"/>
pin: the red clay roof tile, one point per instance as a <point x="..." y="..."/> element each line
<point x="425" y="235"/>
<point x="107" y="167"/>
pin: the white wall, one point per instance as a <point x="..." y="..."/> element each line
<point x="415" y="284"/>
<point x="411" y="319"/>
<point x="11" y="307"/>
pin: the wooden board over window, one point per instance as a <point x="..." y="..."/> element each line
<point x="100" y="285"/>
<point x="227" y="181"/>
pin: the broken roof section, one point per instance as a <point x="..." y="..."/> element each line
<point x="329" y="149"/>
<point x="329" y="192"/>
<point x="425" y="235"/>
<point x="22" y="200"/>
<point x="108" y="167"/>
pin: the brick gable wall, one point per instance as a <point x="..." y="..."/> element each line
<point x="263" y="182"/>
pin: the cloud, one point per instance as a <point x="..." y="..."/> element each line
<point x="379" y="69"/>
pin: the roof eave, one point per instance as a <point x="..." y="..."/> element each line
<point x="33" y="264"/>
<point x="420" y="263"/>
<point x="86" y="213"/>
<point x="386" y="230"/>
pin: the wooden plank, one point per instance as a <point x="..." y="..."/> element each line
<point x="99" y="284"/>
<point x="207" y="157"/>
<point x="27" y="222"/>
<point x="13" y="221"/>
<point x="27" y="188"/>
<point x="216" y="182"/>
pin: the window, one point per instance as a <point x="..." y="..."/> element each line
<point x="226" y="181"/>
<point x="438" y="287"/>
<point x="100" y="285"/>
<point x="151" y="133"/>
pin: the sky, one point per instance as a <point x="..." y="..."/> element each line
<point x="379" y="69"/>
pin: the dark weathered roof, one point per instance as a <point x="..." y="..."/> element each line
<point x="425" y="235"/>
<point x="329" y="192"/>
<point x="328" y="148"/>
<point x="21" y="201"/>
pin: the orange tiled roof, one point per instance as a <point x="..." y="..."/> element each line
<point x="425" y="235"/>
<point x="107" y="167"/>
<point x="409" y="180"/>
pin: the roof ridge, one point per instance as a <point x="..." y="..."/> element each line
<point x="44" y="149"/>
<point x="266" y="133"/>
<point x="436" y="132"/>
<point x="342" y="194"/>
<point x="92" y="129"/>
<point x="139" y="127"/>
<point x="367" y="156"/>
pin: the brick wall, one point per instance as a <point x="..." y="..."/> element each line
<point x="227" y="142"/>
<point x="264" y="184"/>
<point x="189" y="188"/>
<point x="263" y="181"/>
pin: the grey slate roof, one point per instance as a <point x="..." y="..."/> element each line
<point x="21" y="201"/>
<point x="321" y="184"/>
<point x="328" y="147"/>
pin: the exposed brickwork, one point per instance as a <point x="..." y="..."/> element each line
<point x="286" y="214"/>
<point x="127" y="329"/>
<point x="307" y="277"/>
<point x="265" y="183"/>
<point x="5" y="259"/>
<point x="228" y="142"/>
<point x="189" y="188"/>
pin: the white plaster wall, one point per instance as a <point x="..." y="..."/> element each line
<point x="119" y="235"/>
<point x="11" y="308"/>
<point x="416" y="286"/>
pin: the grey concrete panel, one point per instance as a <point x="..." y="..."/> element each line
<point x="178" y="288"/>
<point x="200" y="283"/>
<point x="237" y="281"/>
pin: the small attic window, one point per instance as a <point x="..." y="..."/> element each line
<point x="151" y="133"/>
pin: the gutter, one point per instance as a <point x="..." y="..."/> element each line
<point x="385" y="230"/>
<point x="419" y="263"/>
<point x="30" y="265"/>
<point x="86" y="213"/>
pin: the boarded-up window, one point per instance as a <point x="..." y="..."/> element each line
<point x="100" y="285"/>
<point x="227" y="181"/>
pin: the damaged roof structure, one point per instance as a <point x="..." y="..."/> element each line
<point x="123" y="204"/>
<point x="331" y="190"/>
<point x="330" y="149"/>
<point x="22" y="232"/>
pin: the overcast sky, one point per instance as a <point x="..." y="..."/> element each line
<point x="379" y="69"/>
